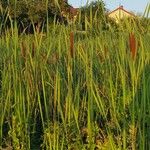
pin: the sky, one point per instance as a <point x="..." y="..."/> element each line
<point x="137" y="6"/>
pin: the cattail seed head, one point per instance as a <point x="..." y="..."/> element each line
<point x="33" y="50"/>
<point x="133" y="45"/>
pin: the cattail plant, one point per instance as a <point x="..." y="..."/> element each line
<point x="33" y="49"/>
<point x="133" y="45"/>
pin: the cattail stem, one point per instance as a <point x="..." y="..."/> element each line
<point x="71" y="44"/>
<point x="23" y="50"/>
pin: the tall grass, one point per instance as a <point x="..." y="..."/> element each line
<point x="72" y="91"/>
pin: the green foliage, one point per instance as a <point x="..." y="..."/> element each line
<point x="27" y="11"/>
<point x="137" y="24"/>
<point x="93" y="14"/>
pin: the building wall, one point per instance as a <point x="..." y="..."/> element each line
<point x="119" y="14"/>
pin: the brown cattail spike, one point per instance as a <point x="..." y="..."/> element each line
<point x="33" y="50"/>
<point x="133" y="45"/>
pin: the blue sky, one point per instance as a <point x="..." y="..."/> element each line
<point x="131" y="5"/>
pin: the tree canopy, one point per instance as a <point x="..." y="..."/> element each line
<point x="26" y="11"/>
<point x="94" y="13"/>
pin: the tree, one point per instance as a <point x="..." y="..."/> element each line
<point x="27" y="12"/>
<point x="94" y="13"/>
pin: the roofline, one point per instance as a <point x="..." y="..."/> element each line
<point x="121" y="8"/>
<point x="73" y="6"/>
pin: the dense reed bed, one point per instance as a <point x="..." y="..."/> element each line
<point x="67" y="90"/>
